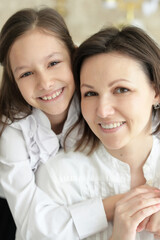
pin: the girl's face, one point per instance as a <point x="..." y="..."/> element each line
<point x="117" y="99"/>
<point x="41" y="67"/>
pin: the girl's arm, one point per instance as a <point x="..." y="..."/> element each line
<point x="109" y="204"/>
<point x="36" y="214"/>
<point x="137" y="205"/>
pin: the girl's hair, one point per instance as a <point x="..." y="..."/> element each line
<point x="130" y="41"/>
<point x="49" y="21"/>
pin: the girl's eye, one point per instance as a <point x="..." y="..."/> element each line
<point x="90" y="94"/>
<point x="26" y="74"/>
<point x="53" y="63"/>
<point x="121" y="90"/>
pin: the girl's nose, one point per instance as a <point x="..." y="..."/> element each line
<point x="105" y="108"/>
<point x="44" y="81"/>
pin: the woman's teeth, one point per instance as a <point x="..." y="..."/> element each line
<point x="54" y="95"/>
<point x="111" y="125"/>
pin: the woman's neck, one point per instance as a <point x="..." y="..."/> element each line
<point x="135" y="155"/>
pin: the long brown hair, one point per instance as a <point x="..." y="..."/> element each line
<point x="131" y="41"/>
<point x="48" y="20"/>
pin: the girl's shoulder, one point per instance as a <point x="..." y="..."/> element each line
<point x="12" y="145"/>
<point x="37" y="117"/>
<point x="32" y="137"/>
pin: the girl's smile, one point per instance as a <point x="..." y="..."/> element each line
<point x="41" y="66"/>
<point x="50" y="96"/>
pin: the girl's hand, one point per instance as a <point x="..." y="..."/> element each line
<point x="143" y="225"/>
<point x="109" y="204"/>
<point x="137" y="205"/>
<point x="153" y="224"/>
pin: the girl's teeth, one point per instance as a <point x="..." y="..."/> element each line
<point x="111" y="125"/>
<point x="44" y="98"/>
<point x="54" y="95"/>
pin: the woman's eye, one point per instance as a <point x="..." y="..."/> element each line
<point x="121" y="90"/>
<point x="53" y="63"/>
<point x="90" y="94"/>
<point x="26" y="74"/>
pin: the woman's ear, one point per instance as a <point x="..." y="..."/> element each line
<point x="157" y="96"/>
<point x="156" y="103"/>
<point x="156" y="100"/>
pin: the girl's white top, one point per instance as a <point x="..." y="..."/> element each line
<point x="24" y="145"/>
<point x="73" y="177"/>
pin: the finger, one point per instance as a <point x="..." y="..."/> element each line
<point x="144" y="213"/>
<point x="143" y="224"/>
<point x="153" y="224"/>
<point x="156" y="236"/>
<point x="140" y="190"/>
<point x="137" y="203"/>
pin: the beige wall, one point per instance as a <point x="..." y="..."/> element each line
<point x="83" y="17"/>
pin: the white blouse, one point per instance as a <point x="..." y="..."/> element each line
<point x="23" y="146"/>
<point x="73" y="177"/>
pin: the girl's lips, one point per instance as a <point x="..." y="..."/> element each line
<point x="53" y="95"/>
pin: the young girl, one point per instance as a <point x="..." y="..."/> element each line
<point x="118" y="75"/>
<point x="37" y="108"/>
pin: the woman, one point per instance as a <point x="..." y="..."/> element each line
<point x="117" y="77"/>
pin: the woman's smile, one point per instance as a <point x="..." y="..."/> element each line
<point x="111" y="127"/>
<point x="114" y="104"/>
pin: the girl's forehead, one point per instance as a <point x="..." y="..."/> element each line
<point x="41" y="37"/>
<point x="40" y="31"/>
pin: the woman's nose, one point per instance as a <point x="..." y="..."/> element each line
<point x="105" y="108"/>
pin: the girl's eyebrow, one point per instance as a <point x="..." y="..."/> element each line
<point x="86" y="85"/>
<point x="55" y="54"/>
<point x="19" y="68"/>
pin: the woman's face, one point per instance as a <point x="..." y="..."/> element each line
<point x="41" y="67"/>
<point x="117" y="99"/>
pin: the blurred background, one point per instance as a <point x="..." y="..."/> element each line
<point x="85" y="17"/>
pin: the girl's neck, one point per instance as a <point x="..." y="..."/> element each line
<point x="57" y="121"/>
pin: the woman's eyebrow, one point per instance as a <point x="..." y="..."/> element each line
<point x="86" y="85"/>
<point x="117" y="81"/>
